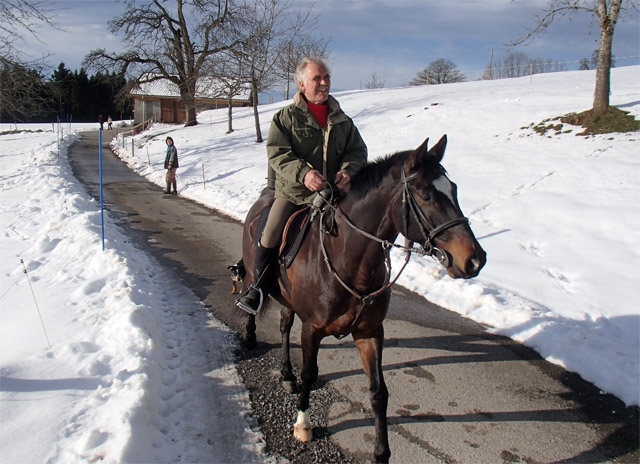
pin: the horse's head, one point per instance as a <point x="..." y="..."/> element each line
<point x="430" y="213"/>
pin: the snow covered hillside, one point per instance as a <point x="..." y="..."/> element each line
<point x="557" y="215"/>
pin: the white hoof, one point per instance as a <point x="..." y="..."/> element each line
<point x="302" y="428"/>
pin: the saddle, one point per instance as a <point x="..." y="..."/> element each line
<point x="293" y="235"/>
<point x="295" y="230"/>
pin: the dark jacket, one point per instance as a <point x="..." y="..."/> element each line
<point x="296" y="144"/>
<point x="171" y="160"/>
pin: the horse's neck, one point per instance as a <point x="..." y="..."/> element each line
<point x="357" y="257"/>
<point x="372" y="213"/>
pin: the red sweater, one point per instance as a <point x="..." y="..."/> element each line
<point x="320" y="112"/>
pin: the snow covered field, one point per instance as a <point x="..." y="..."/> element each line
<point x="119" y="375"/>
<point x="557" y="215"/>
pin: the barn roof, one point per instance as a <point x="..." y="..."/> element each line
<point x="207" y="88"/>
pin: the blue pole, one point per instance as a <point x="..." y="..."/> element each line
<point x="101" y="201"/>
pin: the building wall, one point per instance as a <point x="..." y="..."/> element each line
<point x="171" y="111"/>
<point x="146" y="109"/>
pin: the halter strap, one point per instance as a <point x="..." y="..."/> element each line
<point x="427" y="229"/>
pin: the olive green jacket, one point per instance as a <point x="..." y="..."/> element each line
<point x="296" y="144"/>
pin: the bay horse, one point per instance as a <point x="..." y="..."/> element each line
<point x="339" y="282"/>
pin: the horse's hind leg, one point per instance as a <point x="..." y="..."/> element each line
<point x="310" y="340"/>
<point x="286" y="322"/>
<point x="370" y="349"/>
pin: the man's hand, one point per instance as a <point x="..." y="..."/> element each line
<point x="313" y="180"/>
<point x="343" y="181"/>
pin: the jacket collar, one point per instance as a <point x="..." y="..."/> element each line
<point x="299" y="101"/>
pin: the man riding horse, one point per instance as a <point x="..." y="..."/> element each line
<point x="311" y="142"/>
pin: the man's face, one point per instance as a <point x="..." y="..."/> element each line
<point x="317" y="84"/>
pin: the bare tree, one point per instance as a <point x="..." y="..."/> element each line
<point x="518" y="64"/>
<point x="294" y="51"/>
<point x="24" y="93"/>
<point x="268" y="26"/>
<point x="440" y="71"/>
<point x="515" y="65"/>
<point x="19" y="17"/>
<point x="170" y="40"/>
<point x="22" y="83"/>
<point x="229" y="71"/>
<point x="606" y="12"/>
<point x="374" y="82"/>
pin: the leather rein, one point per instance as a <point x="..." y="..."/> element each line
<point x="410" y="208"/>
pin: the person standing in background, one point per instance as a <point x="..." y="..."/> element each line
<point x="171" y="165"/>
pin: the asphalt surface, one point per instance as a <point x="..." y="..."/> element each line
<point x="457" y="393"/>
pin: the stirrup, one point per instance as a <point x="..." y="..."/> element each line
<point x="247" y="308"/>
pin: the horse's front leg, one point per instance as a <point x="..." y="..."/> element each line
<point x="286" y="322"/>
<point x="249" y="339"/>
<point x="370" y="349"/>
<point x="310" y="340"/>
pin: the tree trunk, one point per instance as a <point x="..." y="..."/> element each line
<point x="190" y="110"/>
<point x="603" y="74"/>
<point x="286" y="93"/>
<point x="191" y="114"/>
<point x="230" y="114"/>
<point x="256" y="117"/>
<point x="188" y="94"/>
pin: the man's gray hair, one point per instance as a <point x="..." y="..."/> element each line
<point x="301" y="70"/>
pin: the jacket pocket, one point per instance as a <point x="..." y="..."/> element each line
<point x="304" y="133"/>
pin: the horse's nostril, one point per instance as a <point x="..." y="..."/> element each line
<point x="473" y="266"/>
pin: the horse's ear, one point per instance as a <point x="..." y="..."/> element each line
<point x="438" y="149"/>
<point x="415" y="158"/>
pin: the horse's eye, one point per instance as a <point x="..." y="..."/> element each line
<point x="425" y="195"/>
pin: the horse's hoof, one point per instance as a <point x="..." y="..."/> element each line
<point x="302" y="428"/>
<point x="290" y="386"/>
<point x="249" y="342"/>
<point x="302" y="433"/>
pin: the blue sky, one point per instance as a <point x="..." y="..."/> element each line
<point x="393" y="38"/>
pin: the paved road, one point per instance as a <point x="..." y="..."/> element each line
<point x="458" y="394"/>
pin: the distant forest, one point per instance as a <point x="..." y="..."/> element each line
<point x="65" y="96"/>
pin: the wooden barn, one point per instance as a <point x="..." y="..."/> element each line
<point x="160" y="100"/>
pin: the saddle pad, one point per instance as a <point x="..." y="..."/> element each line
<point x="293" y="235"/>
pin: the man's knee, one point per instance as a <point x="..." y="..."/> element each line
<point x="278" y="215"/>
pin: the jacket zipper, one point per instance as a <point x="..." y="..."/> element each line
<point x="325" y="133"/>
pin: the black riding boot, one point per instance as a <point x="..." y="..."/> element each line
<point x="251" y="300"/>
<point x="175" y="187"/>
<point x="168" y="188"/>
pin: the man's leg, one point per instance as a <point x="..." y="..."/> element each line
<point x="267" y="249"/>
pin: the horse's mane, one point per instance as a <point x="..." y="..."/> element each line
<point x="371" y="174"/>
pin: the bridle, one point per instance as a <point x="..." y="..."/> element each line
<point x="323" y="201"/>
<point x="427" y="229"/>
